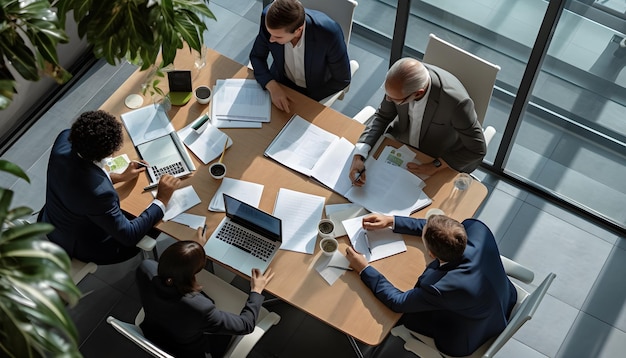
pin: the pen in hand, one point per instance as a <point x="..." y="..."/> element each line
<point x="358" y="176"/>
<point x="203" y="230"/>
<point x="140" y="164"/>
<point x="367" y="242"/>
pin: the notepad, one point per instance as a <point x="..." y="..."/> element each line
<point x="248" y="192"/>
<point x="240" y="100"/>
<point x="300" y="213"/>
<point x="382" y="243"/>
<point x="206" y="145"/>
<point x="312" y="151"/>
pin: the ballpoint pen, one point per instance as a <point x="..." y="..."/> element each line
<point x="367" y="242"/>
<point x="358" y="176"/>
<point x="341" y="267"/>
<point x="203" y="230"/>
<point x="140" y="163"/>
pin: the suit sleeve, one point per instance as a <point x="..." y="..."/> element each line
<point x="338" y="62"/>
<point x="220" y="322"/>
<point x="413" y="300"/>
<point x="408" y="225"/>
<point x="385" y="114"/>
<point x="109" y="217"/>
<point x="470" y="132"/>
<point x="259" y="54"/>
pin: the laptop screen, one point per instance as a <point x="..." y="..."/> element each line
<point x="252" y="218"/>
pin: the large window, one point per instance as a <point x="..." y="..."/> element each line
<point x="570" y="138"/>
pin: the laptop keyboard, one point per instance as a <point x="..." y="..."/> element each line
<point x="245" y="240"/>
<point x="172" y="169"/>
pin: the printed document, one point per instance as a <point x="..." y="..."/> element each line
<point x="248" y="192"/>
<point x="300" y="213"/>
<point x="206" y="145"/>
<point x="374" y="244"/>
<point x="241" y="100"/>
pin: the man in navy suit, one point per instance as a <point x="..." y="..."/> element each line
<point x="463" y="298"/>
<point x="308" y="50"/>
<point x="81" y="201"/>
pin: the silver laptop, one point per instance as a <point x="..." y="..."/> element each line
<point x="165" y="155"/>
<point x="246" y="238"/>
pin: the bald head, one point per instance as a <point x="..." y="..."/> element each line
<point x="406" y="76"/>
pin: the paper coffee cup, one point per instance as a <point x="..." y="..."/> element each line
<point x="326" y="228"/>
<point x="217" y="170"/>
<point x="328" y="245"/>
<point x="202" y="94"/>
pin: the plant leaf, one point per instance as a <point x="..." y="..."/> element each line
<point x="9" y="167"/>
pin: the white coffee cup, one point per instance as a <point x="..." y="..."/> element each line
<point x="202" y="94"/>
<point x="326" y="228"/>
<point x="217" y="170"/>
<point x="328" y="245"/>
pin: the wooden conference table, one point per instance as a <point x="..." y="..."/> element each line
<point x="348" y="305"/>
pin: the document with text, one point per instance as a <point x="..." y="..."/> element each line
<point x="300" y="213"/>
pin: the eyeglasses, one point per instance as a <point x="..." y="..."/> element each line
<point x="397" y="101"/>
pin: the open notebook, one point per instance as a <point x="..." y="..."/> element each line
<point x="312" y="151"/>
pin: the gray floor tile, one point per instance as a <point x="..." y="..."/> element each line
<point x="498" y="212"/>
<point x="515" y="349"/>
<point x="590" y="337"/>
<point x="546" y="244"/>
<point x="525" y="163"/>
<point x="547" y="330"/>
<point x="607" y="298"/>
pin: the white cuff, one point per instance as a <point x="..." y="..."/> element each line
<point x="362" y="149"/>
<point x="159" y="204"/>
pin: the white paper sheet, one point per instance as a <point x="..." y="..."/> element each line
<point x="383" y="243"/>
<point x="248" y="192"/>
<point x="182" y="200"/>
<point x="331" y="274"/>
<point x="241" y="100"/>
<point x="146" y="123"/>
<point x="191" y="220"/>
<point x="300" y="213"/>
<point x="206" y="145"/>
<point x="340" y="212"/>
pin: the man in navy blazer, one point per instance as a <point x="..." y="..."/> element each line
<point x="463" y="298"/>
<point x="81" y="201"/>
<point x="308" y="51"/>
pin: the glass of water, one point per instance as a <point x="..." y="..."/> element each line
<point x="462" y="182"/>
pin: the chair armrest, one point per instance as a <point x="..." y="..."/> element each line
<point x="328" y="101"/>
<point x="414" y="345"/>
<point x="364" y="114"/>
<point x="147" y="243"/>
<point x="80" y="269"/>
<point x="517" y="271"/>
<point x="242" y="345"/>
<point x="488" y="132"/>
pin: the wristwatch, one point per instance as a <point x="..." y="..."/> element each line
<point x="436" y="163"/>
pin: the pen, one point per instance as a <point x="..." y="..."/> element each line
<point x="203" y="230"/>
<point x="358" y="176"/>
<point x="367" y="242"/>
<point x="140" y="163"/>
<point x="151" y="186"/>
<point x="341" y="267"/>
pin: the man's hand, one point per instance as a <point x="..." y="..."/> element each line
<point x="258" y="281"/>
<point x="377" y="221"/>
<point x="132" y="171"/>
<point x="424" y="169"/>
<point x="167" y="185"/>
<point x="278" y="95"/>
<point x="358" y="166"/>
<point x="357" y="261"/>
<point x="201" y="236"/>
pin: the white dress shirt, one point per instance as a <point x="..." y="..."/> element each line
<point x="294" y="61"/>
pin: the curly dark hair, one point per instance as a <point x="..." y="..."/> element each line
<point x="445" y="237"/>
<point x="285" y="14"/>
<point x="96" y="135"/>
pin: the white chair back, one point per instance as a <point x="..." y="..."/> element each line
<point x="342" y="11"/>
<point x="477" y="75"/>
<point x="134" y="334"/>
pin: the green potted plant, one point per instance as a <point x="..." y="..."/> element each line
<point x="34" y="274"/>
<point x="136" y="30"/>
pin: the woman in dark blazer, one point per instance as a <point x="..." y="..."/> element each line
<point x="179" y="317"/>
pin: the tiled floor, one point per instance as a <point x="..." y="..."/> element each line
<point x="583" y="315"/>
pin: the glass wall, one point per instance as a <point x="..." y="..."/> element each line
<point x="570" y="139"/>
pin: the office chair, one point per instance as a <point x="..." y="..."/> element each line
<point x="523" y="311"/>
<point x="477" y="75"/>
<point x="226" y="298"/>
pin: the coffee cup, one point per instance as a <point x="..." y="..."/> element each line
<point x="328" y="245"/>
<point x="202" y="94"/>
<point x="217" y="170"/>
<point x="325" y="228"/>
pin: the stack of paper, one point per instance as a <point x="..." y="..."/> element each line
<point x="249" y="193"/>
<point x="182" y="200"/>
<point x="374" y="244"/>
<point x="340" y="212"/>
<point x="240" y="103"/>
<point x="300" y="213"/>
<point x="312" y="151"/>
<point x="206" y="145"/>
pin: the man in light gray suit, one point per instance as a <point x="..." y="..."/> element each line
<point x="428" y="108"/>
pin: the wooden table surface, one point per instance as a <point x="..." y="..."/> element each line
<point x="348" y="305"/>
